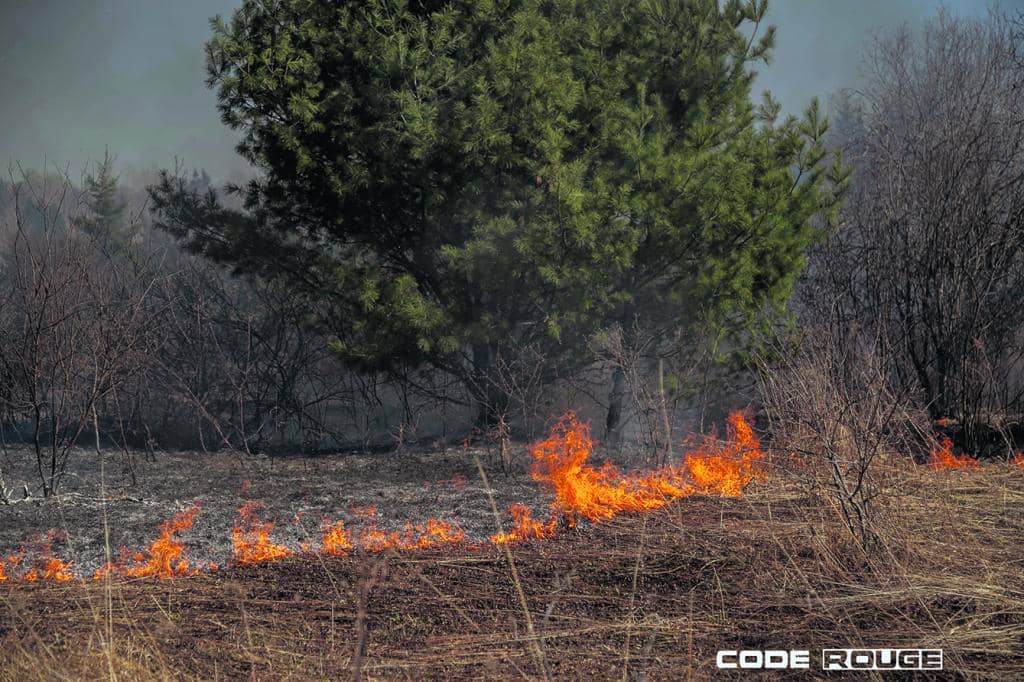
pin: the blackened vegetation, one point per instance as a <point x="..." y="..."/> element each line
<point x="653" y="597"/>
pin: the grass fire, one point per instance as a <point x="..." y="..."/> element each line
<point x="727" y="517"/>
<point x="562" y="461"/>
<point x="511" y="340"/>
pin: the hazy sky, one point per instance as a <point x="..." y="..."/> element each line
<point x="79" y="75"/>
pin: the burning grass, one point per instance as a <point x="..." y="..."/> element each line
<point x="773" y="569"/>
<point x="674" y="565"/>
<point x="562" y="462"/>
<point x="163" y="559"/>
<point x="598" y="494"/>
<point x="942" y="457"/>
<point x="36" y="562"/>
<point x="250" y="538"/>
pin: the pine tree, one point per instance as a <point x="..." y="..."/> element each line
<point x="457" y="179"/>
<point x="105" y="217"/>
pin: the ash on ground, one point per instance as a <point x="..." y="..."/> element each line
<point x="297" y="492"/>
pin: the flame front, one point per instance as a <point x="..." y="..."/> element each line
<point x="524" y="527"/>
<point x="165" y="558"/>
<point x="57" y="570"/>
<point x="942" y="457"/>
<point x="599" y="494"/>
<point x="250" y="538"/>
<point x="11" y="562"/>
<point x="337" y="540"/>
<point x="728" y="468"/>
<point x="41" y="565"/>
<point x="431" y="533"/>
<point x="561" y="461"/>
<point x="49" y="568"/>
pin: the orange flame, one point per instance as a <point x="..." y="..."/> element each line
<point x="580" y="489"/>
<point x="8" y="566"/>
<point x="431" y="533"/>
<point x="599" y="494"/>
<point x="57" y="570"/>
<point x="1018" y="461"/>
<point x="524" y="527"/>
<point x="42" y="565"/>
<point x="942" y="457"/>
<point x="13" y="560"/>
<point x="726" y="469"/>
<point x="337" y="540"/>
<point x="51" y="569"/>
<point x="562" y="460"/>
<point x="165" y="556"/>
<point x="163" y="559"/>
<point x="250" y="538"/>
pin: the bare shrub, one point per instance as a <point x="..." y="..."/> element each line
<point x="522" y="374"/>
<point x="830" y="406"/>
<point x="74" y="325"/>
<point x="637" y="387"/>
<point x="928" y="258"/>
<point x="240" y="359"/>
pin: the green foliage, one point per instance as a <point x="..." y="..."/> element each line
<point x="457" y="177"/>
<point x="105" y="217"/>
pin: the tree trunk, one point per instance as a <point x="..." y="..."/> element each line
<point x="613" y="421"/>
<point x="491" y="402"/>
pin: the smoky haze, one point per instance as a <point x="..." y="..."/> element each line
<point x="79" y="77"/>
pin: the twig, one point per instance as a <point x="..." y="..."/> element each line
<point x="538" y="652"/>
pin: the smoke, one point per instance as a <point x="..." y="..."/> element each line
<point x="79" y="77"/>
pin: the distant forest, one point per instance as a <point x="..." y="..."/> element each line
<point x="454" y="237"/>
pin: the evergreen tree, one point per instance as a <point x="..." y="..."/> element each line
<point x="105" y="217"/>
<point x="458" y="178"/>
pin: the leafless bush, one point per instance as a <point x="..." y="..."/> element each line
<point x="239" y="358"/>
<point x="74" y="321"/>
<point x="830" y="406"/>
<point x="636" y="386"/>
<point x="150" y="345"/>
<point x="928" y="257"/>
<point x="521" y="376"/>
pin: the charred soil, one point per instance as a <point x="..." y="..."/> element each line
<point x="650" y="595"/>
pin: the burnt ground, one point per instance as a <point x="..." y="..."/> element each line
<point x="296" y="491"/>
<point x="641" y="597"/>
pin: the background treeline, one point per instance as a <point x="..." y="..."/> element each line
<point x="909" y="317"/>
<point x="188" y="316"/>
<point x="108" y="327"/>
<point x="922" y="281"/>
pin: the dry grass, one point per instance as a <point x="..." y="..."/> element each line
<point x="645" y="597"/>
